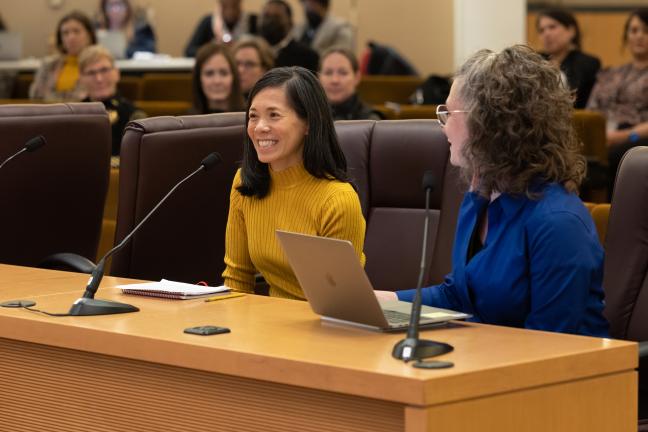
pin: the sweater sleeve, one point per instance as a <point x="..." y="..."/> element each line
<point x="239" y="270"/>
<point x="342" y="219"/>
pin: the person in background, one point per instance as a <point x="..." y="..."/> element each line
<point x="57" y="79"/>
<point x="621" y="94"/>
<point x="276" y="28"/>
<point x="322" y="31"/>
<point x="254" y="58"/>
<point x="225" y="24"/>
<point x="216" y="86"/>
<point x="99" y="77"/>
<point x="526" y="251"/>
<point x="561" y="43"/>
<point x="293" y="177"/>
<point x="339" y="74"/>
<point x="7" y="78"/>
<point x="119" y="16"/>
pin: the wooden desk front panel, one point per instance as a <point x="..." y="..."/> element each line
<point x="54" y="389"/>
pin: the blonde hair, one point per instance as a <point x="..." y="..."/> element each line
<point x="93" y="54"/>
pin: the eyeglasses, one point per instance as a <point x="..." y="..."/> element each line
<point x="443" y="114"/>
<point x="248" y="64"/>
<point x="95" y="73"/>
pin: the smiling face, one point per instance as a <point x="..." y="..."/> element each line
<point x="74" y="37"/>
<point x="275" y="129"/>
<point x="456" y="127"/>
<point x="338" y="78"/>
<point x="216" y="80"/>
<point x="555" y="37"/>
<point x="100" y="79"/>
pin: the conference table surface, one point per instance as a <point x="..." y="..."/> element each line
<point x="501" y="375"/>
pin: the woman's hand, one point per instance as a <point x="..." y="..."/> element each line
<point x="386" y="295"/>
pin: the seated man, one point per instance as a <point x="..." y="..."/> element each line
<point x="99" y="76"/>
<point x="321" y="30"/>
<point x="276" y="28"/>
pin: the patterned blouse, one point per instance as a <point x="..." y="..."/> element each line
<point x="621" y="94"/>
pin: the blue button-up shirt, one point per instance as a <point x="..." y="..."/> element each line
<point x="541" y="266"/>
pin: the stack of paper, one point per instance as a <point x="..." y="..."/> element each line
<point x="170" y="289"/>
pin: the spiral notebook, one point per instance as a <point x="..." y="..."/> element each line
<point x="172" y="290"/>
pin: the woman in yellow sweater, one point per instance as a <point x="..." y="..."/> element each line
<point x="293" y="178"/>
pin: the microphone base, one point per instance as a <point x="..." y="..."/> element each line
<point x="88" y="307"/>
<point x="419" y="349"/>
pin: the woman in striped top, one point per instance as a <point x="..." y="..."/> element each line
<point x="293" y="178"/>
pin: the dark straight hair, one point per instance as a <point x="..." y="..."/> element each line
<point x="566" y="19"/>
<point x="642" y="14"/>
<point x="323" y="157"/>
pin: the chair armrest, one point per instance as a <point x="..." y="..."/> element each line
<point x="643" y="350"/>
<point x="68" y="262"/>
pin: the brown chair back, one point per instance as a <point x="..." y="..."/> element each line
<point x="185" y="239"/>
<point x="387" y="160"/>
<point x="53" y="199"/>
<point x="626" y="250"/>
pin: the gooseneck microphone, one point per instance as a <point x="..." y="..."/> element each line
<point x="32" y="145"/>
<point x="413" y="348"/>
<point x="87" y="304"/>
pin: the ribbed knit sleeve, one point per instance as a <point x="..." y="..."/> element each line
<point x="239" y="270"/>
<point x="340" y="219"/>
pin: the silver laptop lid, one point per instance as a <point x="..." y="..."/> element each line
<point x="338" y="288"/>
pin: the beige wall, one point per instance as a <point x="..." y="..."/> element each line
<point x="420" y="29"/>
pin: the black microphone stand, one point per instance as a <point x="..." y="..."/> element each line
<point x="413" y="348"/>
<point x="87" y="304"/>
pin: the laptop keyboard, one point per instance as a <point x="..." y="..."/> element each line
<point x="394" y="317"/>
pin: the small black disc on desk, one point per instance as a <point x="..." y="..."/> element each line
<point x="432" y="364"/>
<point x="18" y="303"/>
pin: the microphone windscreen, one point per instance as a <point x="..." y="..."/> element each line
<point x="35" y="143"/>
<point x="211" y="160"/>
<point x="428" y="180"/>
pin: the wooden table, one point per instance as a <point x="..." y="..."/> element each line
<point x="282" y="369"/>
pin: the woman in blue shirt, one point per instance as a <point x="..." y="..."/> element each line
<point x="526" y="251"/>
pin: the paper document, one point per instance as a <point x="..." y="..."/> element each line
<point x="170" y="289"/>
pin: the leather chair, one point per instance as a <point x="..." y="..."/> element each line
<point x="387" y="160"/>
<point x="53" y="199"/>
<point x="625" y="279"/>
<point x="185" y="239"/>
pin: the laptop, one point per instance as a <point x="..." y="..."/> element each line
<point x="10" y="46"/>
<point x="338" y="289"/>
<point x="113" y="41"/>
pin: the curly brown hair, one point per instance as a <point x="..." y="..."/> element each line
<point x="519" y="123"/>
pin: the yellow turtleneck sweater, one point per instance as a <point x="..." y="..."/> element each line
<point x="296" y="202"/>
<point x="69" y="75"/>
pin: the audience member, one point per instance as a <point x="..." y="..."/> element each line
<point x="293" y="177"/>
<point x="119" y="16"/>
<point x="276" y="27"/>
<point x="322" y="31"/>
<point x="526" y="251"/>
<point x="560" y="36"/>
<point x="99" y="77"/>
<point x="254" y="58"/>
<point x="58" y="76"/>
<point x="7" y="78"/>
<point x="225" y="24"/>
<point x="621" y="94"/>
<point x="339" y="74"/>
<point x="216" y="86"/>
